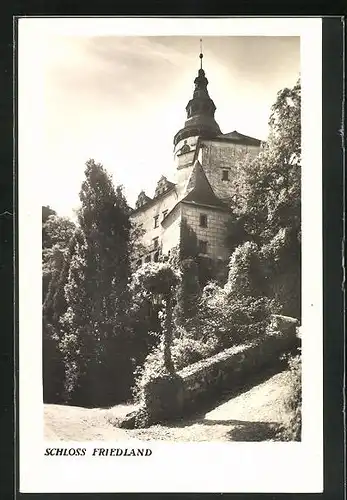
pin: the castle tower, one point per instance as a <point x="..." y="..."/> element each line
<point x="195" y="207"/>
<point x="200" y="121"/>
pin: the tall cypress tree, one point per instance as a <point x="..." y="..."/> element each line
<point x="96" y="343"/>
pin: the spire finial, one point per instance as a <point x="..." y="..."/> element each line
<point x="201" y="55"/>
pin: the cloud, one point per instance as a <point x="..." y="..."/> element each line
<point x="120" y="100"/>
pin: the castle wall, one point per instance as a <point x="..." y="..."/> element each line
<point x="217" y="156"/>
<point x="172" y="231"/>
<point x="214" y="233"/>
<point x="181" y="178"/>
<point x="145" y="218"/>
<point x="184" y="163"/>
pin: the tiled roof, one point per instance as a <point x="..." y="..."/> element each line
<point x="240" y="138"/>
<point x="200" y="190"/>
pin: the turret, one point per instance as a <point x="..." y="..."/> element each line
<point x="200" y="110"/>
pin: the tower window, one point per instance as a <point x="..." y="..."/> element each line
<point x="225" y="175"/>
<point x="202" y="246"/>
<point x="164" y="214"/>
<point x="156" y="221"/>
<point x="155" y="242"/>
<point x="203" y="220"/>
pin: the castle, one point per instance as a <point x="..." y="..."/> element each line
<point x="203" y="189"/>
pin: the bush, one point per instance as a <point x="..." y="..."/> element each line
<point x="163" y="399"/>
<point x="246" y="276"/>
<point x="223" y="320"/>
<point x="291" y="430"/>
<point x="231" y="318"/>
<point x="185" y="350"/>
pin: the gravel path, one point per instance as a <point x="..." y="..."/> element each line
<point x="254" y="415"/>
<point x="72" y="423"/>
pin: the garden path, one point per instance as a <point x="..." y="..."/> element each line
<point x="254" y="415"/>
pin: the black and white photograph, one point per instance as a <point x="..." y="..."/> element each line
<point x="170" y="182"/>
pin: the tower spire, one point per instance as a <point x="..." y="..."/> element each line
<point x="200" y="110"/>
<point x="201" y="55"/>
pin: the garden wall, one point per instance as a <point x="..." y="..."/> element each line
<point x="233" y="367"/>
<point x="172" y="396"/>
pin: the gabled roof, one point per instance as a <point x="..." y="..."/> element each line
<point x="152" y="201"/>
<point x="142" y="199"/>
<point x="240" y="138"/>
<point x="199" y="190"/>
<point x="163" y="186"/>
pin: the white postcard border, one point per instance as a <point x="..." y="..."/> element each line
<point x="201" y="467"/>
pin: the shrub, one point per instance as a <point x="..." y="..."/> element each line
<point x="185" y="350"/>
<point x="281" y="259"/>
<point x="163" y="398"/>
<point x="153" y="279"/>
<point x="223" y="321"/>
<point x="246" y="276"/>
<point x="291" y="430"/>
<point x="231" y="318"/>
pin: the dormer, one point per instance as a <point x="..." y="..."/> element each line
<point x="184" y="149"/>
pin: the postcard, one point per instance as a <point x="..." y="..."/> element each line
<point x="170" y="255"/>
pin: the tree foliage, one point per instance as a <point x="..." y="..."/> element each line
<point x="56" y="235"/>
<point x="273" y="180"/>
<point x="47" y="211"/>
<point x="97" y="327"/>
<point x="188" y="292"/>
<point x="158" y="283"/>
<point x="269" y="209"/>
<point x="246" y="277"/>
<point x="95" y="343"/>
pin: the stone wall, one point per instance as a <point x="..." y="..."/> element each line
<point x="145" y="218"/>
<point x="172" y="396"/>
<point x="214" y="233"/>
<point x="171" y="231"/>
<point x="218" y="156"/>
<point x="215" y="156"/>
<point x="233" y="367"/>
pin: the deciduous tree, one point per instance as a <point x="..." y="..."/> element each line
<point x="271" y="200"/>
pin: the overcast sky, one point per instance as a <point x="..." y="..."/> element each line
<point x="120" y="100"/>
